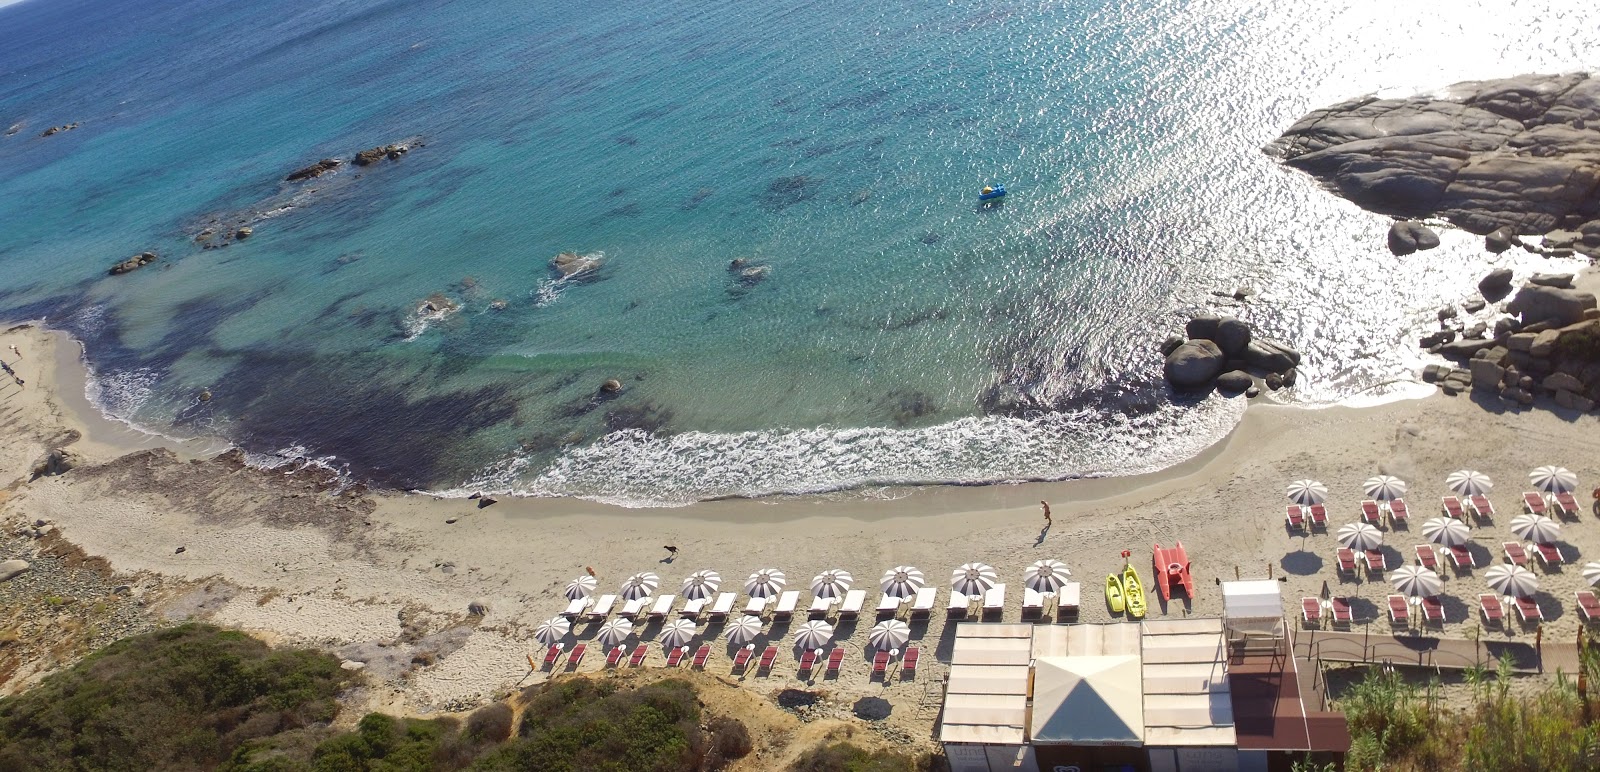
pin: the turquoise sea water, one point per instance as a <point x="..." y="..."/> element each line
<point x="900" y="334"/>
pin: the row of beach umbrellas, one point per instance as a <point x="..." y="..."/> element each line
<point x="814" y="634"/>
<point x="1450" y="532"/>
<point x="1045" y="576"/>
<point x="1466" y="482"/>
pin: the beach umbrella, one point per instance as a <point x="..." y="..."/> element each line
<point x="701" y="585"/>
<point x="902" y="581"/>
<point x="1046" y="576"/>
<point x="1385" y="487"/>
<point x="1416" y="581"/>
<point x="889" y="634"/>
<point x="1445" y="530"/>
<point x="614" y="631"/>
<point x="765" y="583"/>
<point x="973" y="579"/>
<point x="1360" y="536"/>
<point x="744" y="629"/>
<point x="813" y="635"/>
<point x="1307" y="492"/>
<point x="640" y="585"/>
<point x="1536" y="528"/>
<point x="833" y="583"/>
<point x="552" y="630"/>
<point x="1469" y="483"/>
<point x="1553" y="479"/>
<point x="676" y="633"/>
<point x="1591" y="572"/>
<point x="582" y="587"/>
<point x="1508" y="579"/>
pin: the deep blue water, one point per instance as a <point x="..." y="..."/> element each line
<point x="836" y="146"/>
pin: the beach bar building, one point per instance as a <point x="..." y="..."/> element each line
<point x="1157" y="695"/>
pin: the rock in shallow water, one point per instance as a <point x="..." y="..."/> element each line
<point x="1408" y="236"/>
<point x="1194" y="364"/>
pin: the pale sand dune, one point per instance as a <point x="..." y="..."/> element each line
<point x="355" y="583"/>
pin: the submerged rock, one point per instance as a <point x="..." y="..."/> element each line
<point x="376" y="154"/>
<point x="133" y="263"/>
<point x="315" y="170"/>
<point x="572" y="264"/>
<point x="54" y="130"/>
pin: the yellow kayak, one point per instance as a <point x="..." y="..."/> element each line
<point x="1134" y="591"/>
<point x="1114" y="593"/>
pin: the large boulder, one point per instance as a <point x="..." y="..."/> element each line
<point x="133" y="263"/>
<point x="572" y="265"/>
<point x="57" y="462"/>
<point x="1555" y="305"/>
<point x="1203" y="326"/>
<point x="315" y="170"/>
<point x="1496" y="285"/>
<point x="1499" y="240"/>
<point x="1407" y="236"/>
<point x="1271" y="355"/>
<point x="1562" y="280"/>
<point x="1234" y="382"/>
<point x="12" y="569"/>
<point x="1194" y="364"/>
<point x="1232" y="336"/>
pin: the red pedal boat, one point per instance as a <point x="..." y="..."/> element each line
<point x="1172" y="571"/>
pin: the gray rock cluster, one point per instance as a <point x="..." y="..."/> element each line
<point x="1501" y="158"/>
<point x="133" y="263"/>
<point x="1222" y="352"/>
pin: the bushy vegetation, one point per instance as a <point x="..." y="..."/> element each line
<point x="844" y="757"/>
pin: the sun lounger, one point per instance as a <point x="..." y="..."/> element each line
<point x="1427" y="557"/>
<point x="1566" y="504"/>
<point x="768" y="657"/>
<point x="1515" y="553"/>
<point x="1452" y="508"/>
<point x="633" y="609"/>
<point x="1341" y="611"/>
<point x="835" y="658"/>
<point x="701" y="655"/>
<point x="808" y="660"/>
<point x="1493" y="613"/>
<point x="692" y="609"/>
<point x="1549" y="555"/>
<point x="820" y="607"/>
<point x="908" y="666"/>
<point x="1370" y="512"/>
<point x="723" y="607"/>
<point x="923" y="606"/>
<point x="888" y="606"/>
<point x="601" y="608"/>
<point x="851" y="607"/>
<point x="994" y="601"/>
<point x="1399" y="610"/>
<point x="880" y="662"/>
<point x="1347" y="560"/>
<point x="1375" y="561"/>
<point x="1319" y="516"/>
<point x="1398" y="511"/>
<point x="552" y="655"/>
<point x="1310" y="610"/>
<point x="1533" y="502"/>
<point x="674" y="654"/>
<point x="1032" y="603"/>
<point x="1481" y="506"/>
<point x="742" y="659"/>
<point x="1067" y="602"/>
<point x="1588" y="605"/>
<point x="662" y="606"/>
<point x="1433" y="609"/>
<point x="786" y="603"/>
<point x="1462" y="557"/>
<point x="638" y="656"/>
<point x="576" y="656"/>
<point x="575" y="608"/>
<point x="1296" y="517"/>
<point x="616" y="656"/>
<point x="959" y="606"/>
<point x="1528" y="610"/>
<point x="756" y="607"/>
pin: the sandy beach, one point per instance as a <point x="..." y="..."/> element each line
<point x="387" y="579"/>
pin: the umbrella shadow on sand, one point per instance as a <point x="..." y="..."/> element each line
<point x="1302" y="563"/>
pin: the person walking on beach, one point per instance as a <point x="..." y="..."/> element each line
<point x="1046" y="506"/>
<point x="16" y="350"/>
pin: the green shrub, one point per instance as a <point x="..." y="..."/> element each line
<point x="489" y="724"/>
<point x="844" y="757"/>
<point x="578" y="724"/>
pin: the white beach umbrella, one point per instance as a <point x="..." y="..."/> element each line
<point x="1307" y="492"/>
<point x="973" y="579"/>
<point x="765" y="583"/>
<point x="813" y="635"/>
<point x="552" y="630"/>
<point x="889" y="634"/>
<point x="640" y="585"/>
<point x="676" y="633"/>
<point x="1553" y="479"/>
<point x="1468" y="482"/>
<point x="1591" y="572"/>
<point x="744" y="629"/>
<point x="1416" y="581"/>
<point x="614" y="631"/>
<point x="1446" y="530"/>
<point x="833" y="583"/>
<point x="1360" y="536"/>
<point x="1507" y="579"/>
<point x="1536" y="528"/>
<point x="1385" y="487"/>
<point x="582" y="587"/>
<point x="902" y="581"/>
<point x="1046" y="576"/>
<point x="701" y="585"/>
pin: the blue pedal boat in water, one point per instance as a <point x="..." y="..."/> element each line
<point x="992" y="193"/>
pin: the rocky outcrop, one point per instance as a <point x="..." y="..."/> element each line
<point x="315" y="170"/>
<point x="133" y="263"/>
<point x="571" y="265"/>
<point x="1408" y="236"/>
<point x="57" y="462"/>
<point x="1223" y="352"/>
<point x="1496" y="285"/>
<point x="1504" y="157"/>
<point x="376" y="154"/>
<point x="1558" y="306"/>
<point x="54" y="130"/>
<point x="1194" y="365"/>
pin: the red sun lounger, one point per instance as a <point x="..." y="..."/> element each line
<point x="638" y="656"/>
<point x="1493" y="612"/>
<point x="674" y="655"/>
<point x="742" y="659"/>
<point x="1319" y="516"/>
<point x="1427" y="557"/>
<point x="1376" y="561"/>
<point x="1533" y="502"/>
<point x="908" y="666"/>
<point x="576" y="656"/>
<point x="1296" y="517"/>
<point x="552" y="655"/>
<point x="701" y="655"/>
<point x="1398" y="511"/>
<point x="1515" y="553"/>
<point x="1528" y="609"/>
<point x="808" y="660"/>
<point x="835" y="658"/>
<point x="1480" y="504"/>
<point x="1566" y="504"/>
<point x="1347" y="560"/>
<point x="1370" y="512"/>
<point x="1433" y="609"/>
<point x="1399" y="610"/>
<point x="880" y="662"/>
<point x="1452" y="508"/>
<point x="1588" y="605"/>
<point x="616" y="656"/>
<point x="1462" y="557"/>
<point x="1549" y="554"/>
<point x="1310" y="610"/>
<point x="768" y="657"/>
<point x="1341" y="611"/>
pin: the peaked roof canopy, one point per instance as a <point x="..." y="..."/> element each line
<point x="1096" y="700"/>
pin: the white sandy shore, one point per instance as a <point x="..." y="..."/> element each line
<point x="396" y="576"/>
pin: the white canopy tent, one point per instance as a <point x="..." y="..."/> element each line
<point x="1253" y="606"/>
<point x="1094" y="700"/>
